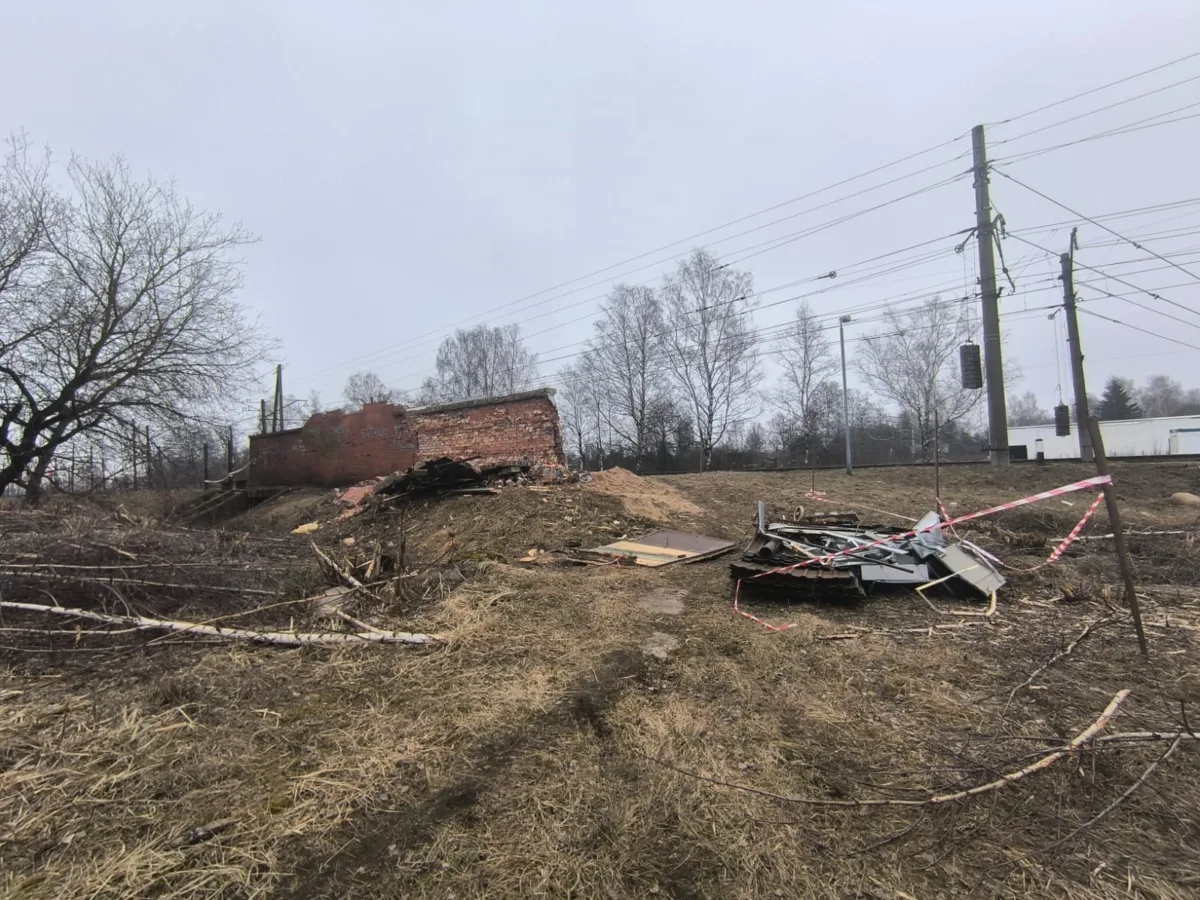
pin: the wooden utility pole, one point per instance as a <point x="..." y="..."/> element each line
<point x="993" y="363"/>
<point x="1082" y="415"/>
<point x="1114" y="521"/>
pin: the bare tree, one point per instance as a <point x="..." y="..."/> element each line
<point x="709" y="346"/>
<point x="626" y="351"/>
<point x="367" y="387"/>
<point x="912" y="361"/>
<point x="1162" y="395"/>
<point x="483" y="361"/>
<point x="804" y="356"/>
<point x="1025" y="410"/>
<point x="136" y="288"/>
<point x="575" y="407"/>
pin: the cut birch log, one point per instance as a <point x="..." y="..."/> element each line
<point x="282" y="638"/>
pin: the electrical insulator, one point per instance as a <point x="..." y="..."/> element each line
<point x="1062" y="420"/>
<point x="972" y="368"/>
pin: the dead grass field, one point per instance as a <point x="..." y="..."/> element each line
<point x="541" y="751"/>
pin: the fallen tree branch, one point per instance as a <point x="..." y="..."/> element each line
<point x="345" y="576"/>
<point x="928" y="630"/>
<point x="283" y="638"/>
<point x="107" y="579"/>
<point x="1066" y="651"/>
<point x="1088" y="734"/>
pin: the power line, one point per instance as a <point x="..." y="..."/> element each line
<point x="705" y="233"/>
<point x="1130" y="128"/>
<point x="1095" y="90"/>
<point x="1098" y="225"/>
<point x="1100" y="109"/>
<point x="841" y="284"/>
<point x="1136" y="328"/>
<point x="1157" y="312"/>
<point x="1115" y="278"/>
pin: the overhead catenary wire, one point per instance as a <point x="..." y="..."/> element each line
<point x="1119" y="280"/>
<point x="1096" y="223"/>
<point x="1163" y="337"/>
<point x="830" y="187"/>
<point x="1096" y="90"/>
<point x="1092" y="112"/>
<point x="424" y="339"/>
<point x="840" y="283"/>
<point x="774" y="243"/>
<point x="1117" y="131"/>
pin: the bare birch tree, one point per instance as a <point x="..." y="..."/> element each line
<point x="575" y="408"/>
<point x="806" y="362"/>
<point x="627" y="352"/>
<point x="484" y="361"/>
<point x="134" y="289"/>
<point x="912" y="361"/>
<point x="709" y="347"/>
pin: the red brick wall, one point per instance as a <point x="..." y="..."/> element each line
<point x="525" y="430"/>
<point x="338" y="448"/>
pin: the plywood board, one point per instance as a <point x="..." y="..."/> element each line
<point x="661" y="548"/>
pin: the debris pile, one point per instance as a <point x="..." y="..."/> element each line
<point x="445" y="475"/>
<point x="833" y="554"/>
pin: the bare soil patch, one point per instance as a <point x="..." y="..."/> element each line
<point x="653" y="499"/>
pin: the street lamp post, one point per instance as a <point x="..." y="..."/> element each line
<point x="845" y="392"/>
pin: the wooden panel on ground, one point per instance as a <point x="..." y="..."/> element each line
<point x="661" y="548"/>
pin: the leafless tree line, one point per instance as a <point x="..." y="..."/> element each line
<point x="678" y="368"/>
<point x="117" y="310"/>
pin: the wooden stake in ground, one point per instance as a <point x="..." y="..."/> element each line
<point x="1114" y="517"/>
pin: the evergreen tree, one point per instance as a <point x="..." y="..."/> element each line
<point x="1117" y="402"/>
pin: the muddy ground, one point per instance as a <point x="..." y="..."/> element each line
<point x="594" y="732"/>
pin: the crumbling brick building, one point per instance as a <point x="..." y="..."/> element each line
<point x="339" y="448"/>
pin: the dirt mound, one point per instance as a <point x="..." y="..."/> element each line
<point x="643" y="497"/>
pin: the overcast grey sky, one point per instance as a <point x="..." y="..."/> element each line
<point x="415" y="166"/>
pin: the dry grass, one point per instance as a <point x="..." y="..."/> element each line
<point x="519" y="759"/>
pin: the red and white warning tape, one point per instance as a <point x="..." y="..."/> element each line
<point x="1095" y="482"/>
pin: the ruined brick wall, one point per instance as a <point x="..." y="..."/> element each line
<point x="334" y="448"/>
<point x="524" y="430"/>
<point x="339" y="448"/>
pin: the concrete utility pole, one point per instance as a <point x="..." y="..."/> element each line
<point x="993" y="363"/>
<point x="845" y="392"/>
<point x="1081" y="404"/>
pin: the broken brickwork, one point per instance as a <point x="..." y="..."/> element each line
<point x="339" y="448"/>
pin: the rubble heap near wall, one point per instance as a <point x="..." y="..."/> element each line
<point x="339" y="448"/>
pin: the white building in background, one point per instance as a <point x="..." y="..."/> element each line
<point x="1165" y="436"/>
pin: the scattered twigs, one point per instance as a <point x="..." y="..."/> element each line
<point x="283" y="638"/>
<point x="1127" y="792"/>
<point x="1051" y="757"/>
<point x="345" y="576"/>
<point x="1066" y="651"/>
